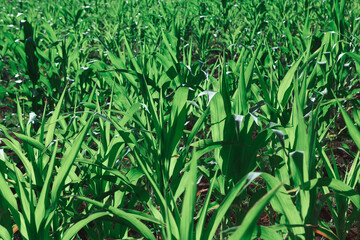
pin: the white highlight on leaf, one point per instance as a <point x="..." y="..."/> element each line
<point x="340" y="56"/>
<point x="210" y="94"/>
<point x="251" y="177"/>
<point x="238" y="120"/>
<point x="32" y="116"/>
<point x="146" y="108"/>
<point x="2" y="155"/>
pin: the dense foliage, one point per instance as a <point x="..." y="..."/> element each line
<point x="179" y="119"/>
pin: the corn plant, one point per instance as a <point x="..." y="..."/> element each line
<point x="179" y="119"/>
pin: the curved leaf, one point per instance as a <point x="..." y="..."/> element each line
<point x="74" y="229"/>
<point x="129" y="218"/>
<point x="246" y="229"/>
<point x="336" y="185"/>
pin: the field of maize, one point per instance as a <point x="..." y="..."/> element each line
<point x="176" y="119"/>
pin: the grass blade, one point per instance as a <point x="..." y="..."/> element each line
<point x="67" y="162"/>
<point x="128" y="218"/>
<point x="188" y="206"/>
<point x="246" y="229"/>
<point x="74" y="229"/>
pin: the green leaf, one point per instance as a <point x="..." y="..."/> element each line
<point x="52" y="121"/>
<point x="67" y="163"/>
<point x="353" y="130"/>
<point x="4" y="234"/>
<point x="283" y="200"/>
<point x="7" y="194"/>
<point x="200" y="225"/>
<point x="74" y="229"/>
<point x="283" y="93"/>
<point x="225" y="205"/>
<point x="247" y="227"/>
<point x="27" y="164"/>
<point x="33" y="142"/>
<point x="177" y="120"/>
<point x="43" y="200"/>
<point x="266" y="233"/>
<point x="336" y="185"/>
<point x="188" y="206"/>
<point x="129" y="218"/>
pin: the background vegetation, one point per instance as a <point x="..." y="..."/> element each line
<point x="179" y="119"/>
